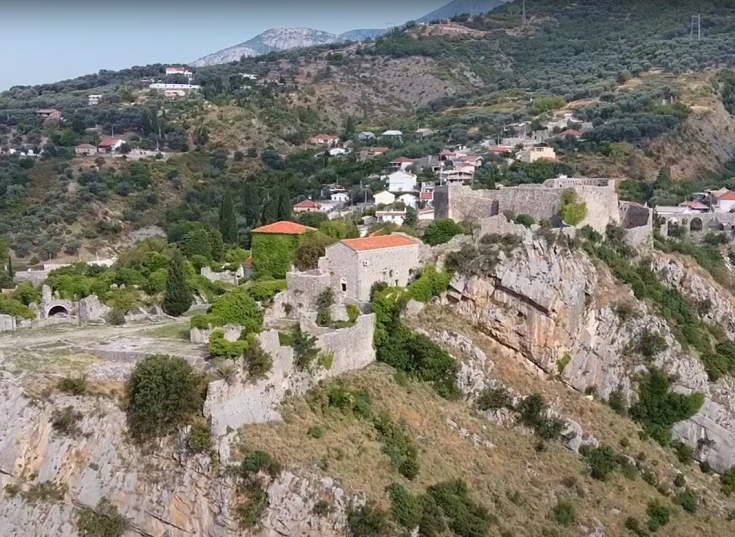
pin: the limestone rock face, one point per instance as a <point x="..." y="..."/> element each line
<point x="547" y="303"/>
<point x="163" y="491"/>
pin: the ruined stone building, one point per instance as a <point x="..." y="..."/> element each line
<point x="354" y="265"/>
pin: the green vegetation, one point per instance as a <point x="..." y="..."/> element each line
<point x="258" y="362"/>
<point x="102" y="521"/>
<point x="494" y="399"/>
<point x="564" y="513"/>
<point x="177" y="298"/>
<point x="534" y="413"/>
<point x="441" y="231"/>
<point x="563" y="362"/>
<point x="429" y="285"/>
<point x="72" y="385"/>
<point x="728" y="481"/>
<point x="482" y="260"/>
<point x="304" y="347"/>
<point x="658" y="515"/>
<point x="200" y="438"/>
<point x="366" y="521"/>
<point x="399" y="447"/>
<point x="602" y="461"/>
<point x="65" y="421"/>
<point x="688" y="500"/>
<point x="324" y="303"/>
<point x="163" y="394"/>
<point x="658" y="408"/>
<point x="219" y="347"/>
<point x="572" y="212"/>
<point x="273" y="254"/>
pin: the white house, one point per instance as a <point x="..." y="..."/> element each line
<point x="401" y="163"/>
<point x="186" y="87"/>
<point x="337" y="152"/>
<point x="409" y="200"/>
<point x="384" y="198"/>
<point x="392" y="134"/>
<point x="426" y="214"/>
<point x="179" y="71"/>
<point x="341" y="197"/>
<point x="366" y="135"/>
<point x="725" y="201"/>
<point x="401" y="181"/>
<point x="392" y="217"/>
<point x="94" y="100"/>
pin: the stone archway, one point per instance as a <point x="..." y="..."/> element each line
<point x="672" y="229"/>
<point x="57" y="309"/>
<point x="696" y="224"/>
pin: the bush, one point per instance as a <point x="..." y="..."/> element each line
<point x="200" y="438"/>
<point x="66" y="421"/>
<point x="316" y="431"/>
<point x="238" y="308"/>
<point x="73" y="386"/>
<point x="304" y="346"/>
<point x="658" y="408"/>
<point x="366" y="521"/>
<point x="727" y="480"/>
<point x="406" y="508"/>
<point x="399" y="446"/>
<point x="658" y="515"/>
<point x="465" y="517"/>
<point x="651" y="344"/>
<point x="264" y="291"/>
<point x="617" y="402"/>
<point x="572" y="213"/>
<point x="679" y="480"/>
<point x="219" y="347"/>
<point x="258" y="362"/>
<point x="26" y="293"/>
<point x="252" y="507"/>
<point x="353" y="312"/>
<point x="602" y="462"/>
<point x="257" y="461"/>
<point x="564" y="513"/>
<point x="429" y="285"/>
<point x="684" y="453"/>
<point x="321" y="508"/>
<point x="441" y="231"/>
<point x="177" y="297"/>
<point x="324" y="303"/>
<point x="534" y="413"/>
<point x="347" y="401"/>
<point x="563" y="362"/>
<point x="494" y="399"/>
<point x="116" y="317"/>
<point x="524" y="220"/>
<point x="688" y="500"/>
<point x="163" y="393"/>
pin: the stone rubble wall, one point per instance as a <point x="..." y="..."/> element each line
<point x="7" y="323"/>
<point x="226" y="276"/>
<point x="230" y="406"/>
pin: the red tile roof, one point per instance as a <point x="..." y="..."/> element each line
<point x="499" y="149"/>
<point x="695" y="205"/>
<point x="378" y="243"/>
<point x="727" y="196"/>
<point x="401" y="160"/>
<point x="109" y="142"/>
<point x="570" y="132"/>
<point x="284" y="228"/>
<point x="248" y="262"/>
<point x="427" y="195"/>
<point x="307" y="204"/>
<point x="379" y="149"/>
<point x="85" y="146"/>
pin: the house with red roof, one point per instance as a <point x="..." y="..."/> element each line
<point x="401" y="164"/>
<point x="306" y="206"/>
<point x="377" y="151"/>
<point x="724" y="201"/>
<point x="274" y="248"/>
<point x="109" y="145"/>
<point x="570" y="132"/>
<point x="355" y="265"/>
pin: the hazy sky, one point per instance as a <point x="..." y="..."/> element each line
<point x="45" y="42"/>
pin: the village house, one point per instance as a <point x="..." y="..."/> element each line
<point x="364" y="136"/>
<point x="424" y="133"/>
<point x="306" y="206"/>
<point x="340" y="197"/>
<point x="392" y="134"/>
<point x="49" y="113"/>
<point x="188" y="88"/>
<point x="401" y="181"/>
<point x="109" y="145"/>
<point x="570" y="132"/>
<point x="456" y="176"/>
<point x="179" y="71"/>
<point x="354" y="265"/>
<point x="174" y="94"/>
<point x="337" y="152"/>
<point x="537" y="153"/>
<point x="401" y="163"/>
<point x="384" y="198"/>
<point x="324" y="140"/>
<point x="426" y="214"/>
<point x="391" y="217"/>
<point x="84" y="150"/>
<point x="426" y="196"/>
<point x="94" y="100"/>
<point x="409" y="200"/>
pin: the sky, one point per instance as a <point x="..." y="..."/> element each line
<point x="48" y="41"/>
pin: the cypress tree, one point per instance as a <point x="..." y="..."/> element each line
<point x="177" y="298"/>
<point x="283" y="208"/>
<point x="227" y="220"/>
<point x="250" y="204"/>
<point x="270" y="209"/>
<point x="11" y="274"/>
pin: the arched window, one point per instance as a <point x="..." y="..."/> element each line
<point x="343" y="285"/>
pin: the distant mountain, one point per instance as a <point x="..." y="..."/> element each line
<point x="288" y="38"/>
<point x="457" y="7"/>
<point x="269" y="41"/>
<point x="362" y="35"/>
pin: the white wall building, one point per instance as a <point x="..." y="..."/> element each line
<point x="409" y="200"/>
<point x="384" y="198"/>
<point x="391" y="217"/>
<point x="341" y="197"/>
<point x="401" y="181"/>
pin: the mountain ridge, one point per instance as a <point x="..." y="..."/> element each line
<point x="276" y="39"/>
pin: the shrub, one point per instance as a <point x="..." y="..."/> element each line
<point x="658" y="408"/>
<point x="304" y="346"/>
<point x="679" y="480"/>
<point x="66" y="421"/>
<point x="163" y="393"/>
<point x="219" y="347"/>
<point x="430" y="284"/>
<point x="353" y="312"/>
<point x="494" y="399"/>
<point x="658" y="515"/>
<point x="258" y="362"/>
<point x="26" y="293"/>
<point x="116" y="317"/>
<point x="398" y="445"/>
<point x="326" y="359"/>
<point x="202" y="321"/>
<point x="564" y="513"/>
<point x="465" y="517"/>
<point x="524" y="220"/>
<point x="534" y="413"/>
<point x="651" y="344"/>
<point x="312" y="248"/>
<point x="200" y="438"/>
<point x="406" y="508"/>
<point x="355" y="402"/>
<point x="257" y="461"/>
<point x="73" y="386"/>
<point x="441" y="231"/>
<point x="617" y="402"/>
<point x="316" y="431"/>
<point x="177" y="298"/>
<point x="727" y="480"/>
<point x="634" y="526"/>
<point x="684" y="453"/>
<point x="252" y="507"/>
<point x="366" y="521"/>
<point x="103" y="521"/>
<point x="45" y="491"/>
<point x="324" y="303"/>
<point x="264" y="291"/>
<point x="572" y="212"/>
<point x="239" y="308"/>
<point x="602" y="462"/>
<point x="688" y="500"/>
<point x="563" y="362"/>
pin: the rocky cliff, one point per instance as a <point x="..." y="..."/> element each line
<point x="558" y="309"/>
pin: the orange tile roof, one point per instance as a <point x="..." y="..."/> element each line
<point x="378" y="242"/>
<point x="284" y="228"/>
<point x="307" y="204"/>
<point x="727" y="196"/>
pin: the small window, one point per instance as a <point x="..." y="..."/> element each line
<point x="343" y="285"/>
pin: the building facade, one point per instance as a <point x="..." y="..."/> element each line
<point x="354" y="265"/>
